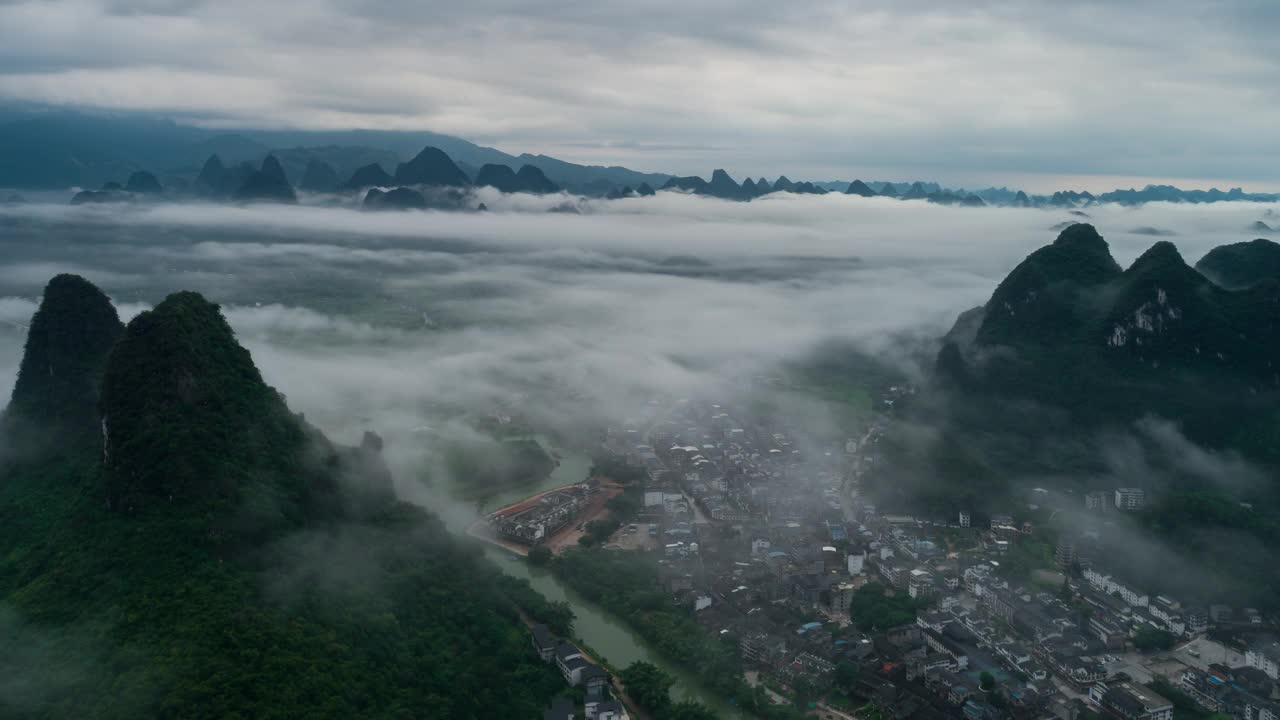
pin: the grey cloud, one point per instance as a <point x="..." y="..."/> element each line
<point x="1175" y="90"/>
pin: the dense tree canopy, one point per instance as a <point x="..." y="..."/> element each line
<point x="154" y="607"/>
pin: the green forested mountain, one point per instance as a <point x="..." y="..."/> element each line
<point x="1069" y="331"/>
<point x="1242" y="265"/>
<point x="1079" y="375"/>
<point x="67" y="345"/>
<point x="200" y="551"/>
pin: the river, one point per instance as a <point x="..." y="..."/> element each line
<point x="604" y="634"/>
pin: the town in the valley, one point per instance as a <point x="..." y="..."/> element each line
<point x="767" y="540"/>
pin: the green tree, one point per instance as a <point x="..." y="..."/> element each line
<point x="539" y="555"/>
<point x="846" y="675"/>
<point x="805" y="693"/>
<point x="1149" y="638"/>
<point x="689" y="710"/>
<point x="986" y="681"/>
<point x="648" y="685"/>
<point x="873" y="608"/>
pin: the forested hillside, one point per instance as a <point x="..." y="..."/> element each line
<point x="217" y="557"/>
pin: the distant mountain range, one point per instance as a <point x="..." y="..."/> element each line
<point x="62" y="149"/>
<point x="68" y="149"/>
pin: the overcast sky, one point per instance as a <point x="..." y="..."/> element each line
<point x="1039" y="94"/>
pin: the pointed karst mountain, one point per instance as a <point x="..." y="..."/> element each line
<point x="143" y="182"/>
<point x="888" y="190"/>
<point x="645" y="190"/>
<point x="1259" y="226"/>
<point x="1165" y="312"/>
<point x="319" y="177"/>
<point x="212" y="178"/>
<point x="1043" y="295"/>
<point x="723" y="186"/>
<point x="60" y="377"/>
<point x="1020" y="199"/>
<point x="218" y="180"/>
<point x="1242" y="265"/>
<point x="690" y="183"/>
<point x="232" y="524"/>
<point x="188" y="421"/>
<point x="268" y="184"/>
<point x="431" y="167"/>
<point x="533" y="180"/>
<point x="763" y="187"/>
<point x="400" y="198"/>
<point x="1070" y="331"/>
<point x="857" y="187"/>
<point x="783" y="184"/>
<point x="367" y="176"/>
<point x="500" y="177"/>
<point x="917" y="192"/>
<point x="529" y="179"/>
<point x="749" y="188"/>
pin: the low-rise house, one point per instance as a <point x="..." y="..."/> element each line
<point x="1109" y="585"/>
<point x="1132" y="702"/>
<point x="544" y="642"/>
<point x="577" y="670"/>
<point x="1084" y="671"/>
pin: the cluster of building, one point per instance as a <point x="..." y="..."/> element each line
<point x="1246" y="693"/>
<point x="577" y="671"/>
<point x="539" y="520"/>
<point x="764" y="535"/>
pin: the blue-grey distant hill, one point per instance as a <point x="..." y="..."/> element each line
<point x="48" y="149"/>
<point x="60" y="149"/>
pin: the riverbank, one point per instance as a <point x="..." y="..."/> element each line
<point x="611" y="641"/>
<point x="616" y="686"/>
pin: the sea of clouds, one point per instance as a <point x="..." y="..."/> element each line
<point x="393" y="320"/>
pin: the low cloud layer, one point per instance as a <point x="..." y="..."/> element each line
<point x="400" y="321"/>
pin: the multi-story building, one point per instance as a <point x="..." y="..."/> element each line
<point x="1066" y="555"/>
<point x="999" y="603"/>
<point x="1132" y="702"/>
<point x="1108" y="632"/>
<point x="920" y="585"/>
<point x="1130" y="498"/>
<point x="1265" y="656"/>
<point x="841" y="597"/>
<point x="1110" y="586"/>
<point x="1097" y="501"/>
<point x="762" y="648"/>
<point x="1196" y="620"/>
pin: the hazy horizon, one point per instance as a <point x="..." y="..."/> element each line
<point x="1037" y="95"/>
